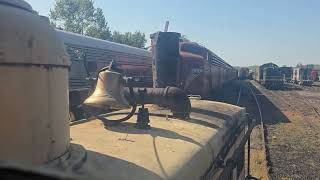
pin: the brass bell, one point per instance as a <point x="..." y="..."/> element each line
<point x="109" y="92"/>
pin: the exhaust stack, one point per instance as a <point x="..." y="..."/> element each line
<point x="165" y="58"/>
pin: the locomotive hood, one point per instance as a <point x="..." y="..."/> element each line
<point x="171" y="149"/>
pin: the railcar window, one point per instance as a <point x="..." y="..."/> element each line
<point x="272" y="72"/>
<point x="77" y="70"/>
<point x="92" y="66"/>
<point x="191" y="49"/>
<point x="79" y="54"/>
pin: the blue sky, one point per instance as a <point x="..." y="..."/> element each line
<point x="243" y="32"/>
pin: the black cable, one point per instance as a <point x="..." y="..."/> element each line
<point x="249" y="146"/>
<point x="132" y="100"/>
<point x="109" y="122"/>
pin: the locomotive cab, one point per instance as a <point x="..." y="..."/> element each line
<point x="272" y="78"/>
<point x="269" y="75"/>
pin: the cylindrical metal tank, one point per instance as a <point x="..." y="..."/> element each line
<point x="33" y="87"/>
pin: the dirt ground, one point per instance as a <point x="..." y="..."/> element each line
<point x="291" y="129"/>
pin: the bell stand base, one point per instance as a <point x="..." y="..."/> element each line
<point x="143" y="118"/>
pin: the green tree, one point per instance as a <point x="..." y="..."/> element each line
<point x="136" y="39"/>
<point x="80" y="16"/>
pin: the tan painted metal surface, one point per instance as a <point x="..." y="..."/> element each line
<point x="33" y="87"/>
<point x="171" y="149"/>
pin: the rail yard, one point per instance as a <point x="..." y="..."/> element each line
<point x="79" y="107"/>
<point x="284" y="145"/>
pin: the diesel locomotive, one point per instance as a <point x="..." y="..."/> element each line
<point x="286" y="73"/>
<point x="190" y="66"/>
<point x="269" y="75"/>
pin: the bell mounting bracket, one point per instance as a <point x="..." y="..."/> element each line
<point x="143" y="113"/>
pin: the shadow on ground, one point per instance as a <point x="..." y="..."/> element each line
<point x="229" y="93"/>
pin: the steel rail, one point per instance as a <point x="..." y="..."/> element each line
<point x="239" y="96"/>
<point x="262" y="129"/>
<point x="305" y="101"/>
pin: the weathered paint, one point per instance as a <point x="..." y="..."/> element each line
<point x="171" y="149"/>
<point x="34" y="87"/>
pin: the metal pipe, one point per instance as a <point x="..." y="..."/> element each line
<point x="170" y="97"/>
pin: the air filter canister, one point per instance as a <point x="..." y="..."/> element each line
<point x="33" y="87"/>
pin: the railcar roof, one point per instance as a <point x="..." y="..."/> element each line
<point x="266" y="65"/>
<point x="218" y="60"/>
<point x="86" y="41"/>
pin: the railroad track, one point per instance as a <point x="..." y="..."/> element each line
<point x="246" y="87"/>
<point x="292" y="133"/>
<point x="262" y="126"/>
<point x="295" y="103"/>
<point x="258" y="106"/>
<point x="308" y="101"/>
<point x="315" y="110"/>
